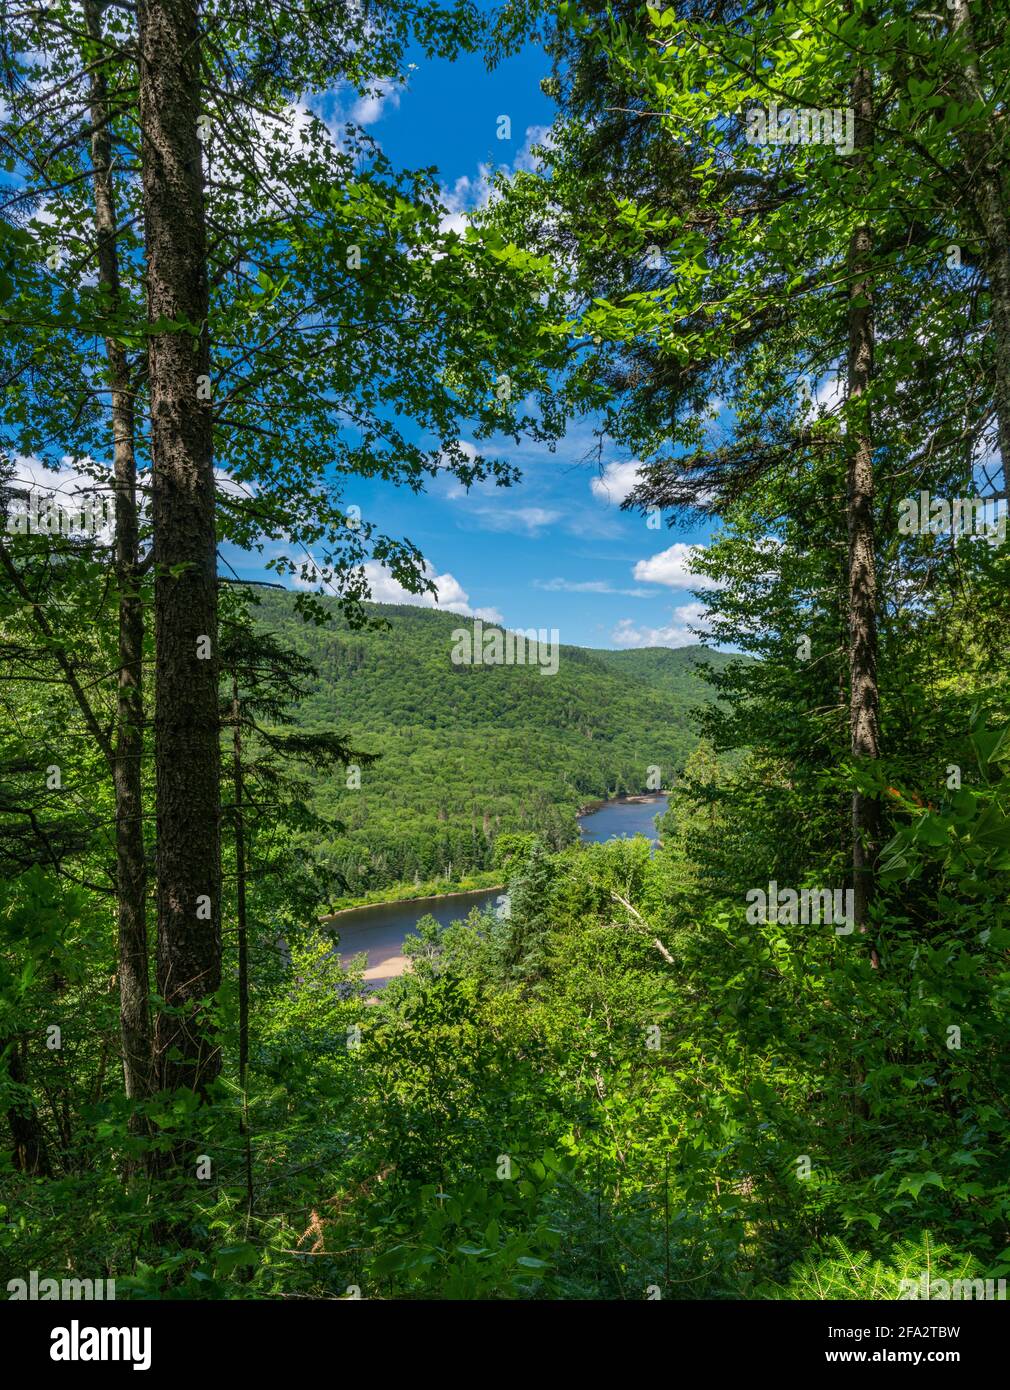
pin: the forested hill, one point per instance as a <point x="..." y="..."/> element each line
<point x="467" y="751"/>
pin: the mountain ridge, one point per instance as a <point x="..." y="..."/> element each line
<point x="468" y="752"/>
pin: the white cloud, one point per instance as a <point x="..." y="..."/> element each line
<point x="468" y="195"/>
<point x="486" y="508"/>
<point x="673" y="568"/>
<point x="451" y="594"/>
<point x="616" y="481"/>
<point x="987" y="466"/>
<point x="825" y="394"/>
<point x="528" y="521"/>
<point x="372" y="107"/>
<point x="587" y="586"/>
<point x="451" y="485"/>
<point x="76" y="479"/>
<point x="454" y="222"/>
<point x="73" y="483"/>
<point x="536" y="136"/>
<point x="678" y="633"/>
<point x="277" y="138"/>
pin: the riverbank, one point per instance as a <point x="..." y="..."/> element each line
<point x="377" y="930"/>
<point x="416" y="900"/>
<point x="417" y="892"/>
<point x="624" y="817"/>
<point x="632" y="799"/>
<point x="377" y="925"/>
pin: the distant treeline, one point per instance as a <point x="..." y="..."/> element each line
<point x="467" y="752"/>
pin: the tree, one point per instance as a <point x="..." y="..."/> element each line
<point x="763" y="275"/>
<point x="131" y="860"/>
<point x="265" y="295"/>
<point x="185" y="545"/>
<point x="862" y="568"/>
<point x="261" y="681"/>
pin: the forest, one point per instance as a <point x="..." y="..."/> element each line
<point x="763" y="252"/>
<point x="463" y="755"/>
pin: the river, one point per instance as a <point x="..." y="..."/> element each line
<point x="623" y="819"/>
<point x="379" y="929"/>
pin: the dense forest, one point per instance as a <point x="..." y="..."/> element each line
<point x="683" y="1073"/>
<point x="465" y="753"/>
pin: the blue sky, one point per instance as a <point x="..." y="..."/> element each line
<point x="554" y="551"/>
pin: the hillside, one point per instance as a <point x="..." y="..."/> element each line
<point x="469" y="751"/>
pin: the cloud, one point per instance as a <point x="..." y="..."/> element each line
<point x="537" y="136"/>
<point x="532" y="504"/>
<point x="454" y="222"/>
<point x="616" y="481"/>
<point x="678" y="633"/>
<point x="531" y="520"/>
<point x="672" y="567"/>
<point x="588" y="586"/>
<point x="73" y="484"/>
<point x="484" y="509"/>
<point x="372" y="107"/>
<point x="825" y="393"/>
<point x="277" y="137"/>
<point x="528" y="521"/>
<point x="467" y="195"/>
<point x="76" y="479"/>
<point x="447" y="483"/>
<point x="451" y="596"/>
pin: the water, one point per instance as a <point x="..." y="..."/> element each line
<point x="620" y="820"/>
<point x="379" y="929"/>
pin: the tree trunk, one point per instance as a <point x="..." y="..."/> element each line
<point x="987" y="182"/>
<point x="29" y="1154"/>
<point x="243" y="941"/>
<point x="187" y="755"/>
<point x="862" y="577"/>
<point x="131" y="868"/>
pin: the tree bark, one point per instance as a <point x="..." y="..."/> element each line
<point x="987" y="183"/>
<point x="243" y="940"/>
<point x="131" y="866"/>
<point x="862" y="576"/>
<point x="29" y="1154"/>
<point x="187" y="755"/>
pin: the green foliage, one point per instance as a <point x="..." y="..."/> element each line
<point x="614" y="1080"/>
<point x="467" y="755"/>
<point x="840" y="1273"/>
